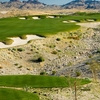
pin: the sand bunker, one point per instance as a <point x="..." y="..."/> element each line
<point x="65" y="21"/>
<point x="50" y="17"/>
<point x="35" y="18"/>
<point x="91" y="24"/>
<point x="22" y="18"/>
<point x="18" y="41"/>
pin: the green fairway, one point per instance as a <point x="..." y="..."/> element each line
<point x="36" y="81"/>
<point x="11" y="94"/>
<point x="10" y="27"/>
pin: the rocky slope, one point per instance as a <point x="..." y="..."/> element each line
<point x="61" y="54"/>
<point x="83" y="4"/>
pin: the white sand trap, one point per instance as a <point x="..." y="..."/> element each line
<point x="35" y="18"/>
<point x="22" y="18"/>
<point x="72" y="21"/>
<point x="65" y="22"/>
<point x="18" y="41"/>
<point x="50" y="17"/>
<point x="91" y="24"/>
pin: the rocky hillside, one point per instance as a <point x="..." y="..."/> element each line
<point x="35" y="4"/>
<point x="60" y="54"/>
<point x="83" y="4"/>
<point x="30" y="4"/>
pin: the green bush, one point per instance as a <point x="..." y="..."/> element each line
<point x="42" y="16"/>
<point x="16" y="64"/>
<point x="98" y="51"/>
<point x="42" y="73"/>
<point x="23" y="37"/>
<point x="78" y="74"/>
<point x="20" y="66"/>
<point x="53" y="72"/>
<point x="20" y="49"/>
<point x="58" y="39"/>
<point x="54" y="52"/>
<point x="52" y="46"/>
<point x="8" y="41"/>
<point x="40" y="59"/>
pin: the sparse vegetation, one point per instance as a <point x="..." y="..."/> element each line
<point x="16" y="64"/>
<point x="58" y="39"/>
<point x="20" y="49"/>
<point x="23" y="37"/>
<point x="94" y="67"/>
<point x="40" y="59"/>
<point x="8" y="41"/>
<point x="54" y="52"/>
<point x="42" y="73"/>
<point x="78" y="73"/>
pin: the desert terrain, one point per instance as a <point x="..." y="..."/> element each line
<point x="61" y="55"/>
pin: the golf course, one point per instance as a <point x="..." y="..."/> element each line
<point x="24" y="25"/>
<point x="22" y="81"/>
<point x="40" y="64"/>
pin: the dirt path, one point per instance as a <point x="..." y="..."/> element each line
<point x="90" y="24"/>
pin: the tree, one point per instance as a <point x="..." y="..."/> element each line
<point x="74" y="84"/>
<point x="94" y="67"/>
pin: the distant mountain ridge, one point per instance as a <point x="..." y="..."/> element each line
<point x="29" y="4"/>
<point x="83" y="4"/>
<point x="35" y="4"/>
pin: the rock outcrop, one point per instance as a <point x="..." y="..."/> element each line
<point x="83" y="4"/>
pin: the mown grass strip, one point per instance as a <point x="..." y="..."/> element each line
<point x="37" y="81"/>
<point x="12" y="94"/>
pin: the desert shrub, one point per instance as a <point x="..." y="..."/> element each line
<point x="52" y="46"/>
<point x="20" y="49"/>
<point x="28" y="17"/>
<point x="69" y="64"/>
<point x="86" y="89"/>
<point x="53" y="72"/>
<point x="20" y="66"/>
<point x="40" y="59"/>
<point x="74" y="37"/>
<point x="1" y="67"/>
<point x="90" y="56"/>
<point x="42" y="73"/>
<point x="78" y="73"/>
<point x="54" y="52"/>
<point x="58" y="39"/>
<point x="23" y="37"/>
<point x="98" y="51"/>
<point x="87" y="63"/>
<point x="56" y="16"/>
<point x="14" y="49"/>
<point x="8" y="41"/>
<point x="16" y="64"/>
<point x="31" y="49"/>
<point x="42" y="16"/>
<point x="30" y="41"/>
<point x="59" y="50"/>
